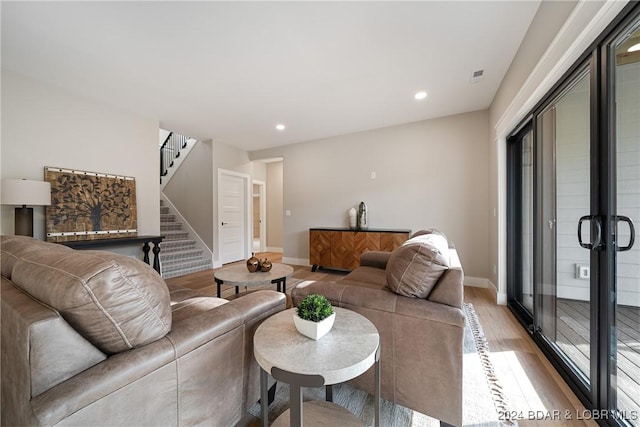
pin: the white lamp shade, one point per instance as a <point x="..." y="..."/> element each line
<point x="25" y="192"/>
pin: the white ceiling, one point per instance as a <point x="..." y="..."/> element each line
<point x="231" y="71"/>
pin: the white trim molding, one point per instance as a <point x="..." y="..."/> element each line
<point x="481" y="282"/>
<point x="263" y="212"/>
<point x="476" y="282"/>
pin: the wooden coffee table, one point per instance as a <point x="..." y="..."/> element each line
<point x="347" y="351"/>
<point x="237" y="275"/>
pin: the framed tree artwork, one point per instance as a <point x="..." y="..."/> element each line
<point x="89" y="205"/>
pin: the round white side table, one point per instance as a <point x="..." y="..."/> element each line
<point x="347" y="351"/>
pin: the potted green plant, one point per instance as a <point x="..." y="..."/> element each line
<point x="314" y="316"/>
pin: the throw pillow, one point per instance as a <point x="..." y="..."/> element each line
<point x="415" y="267"/>
<point x="115" y="302"/>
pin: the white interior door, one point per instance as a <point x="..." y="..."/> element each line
<point x="232" y="216"/>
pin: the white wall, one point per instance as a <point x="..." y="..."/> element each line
<point x="43" y="126"/>
<point x="429" y="174"/>
<point x="275" y="212"/>
<point x="191" y="192"/>
<point x="260" y="171"/>
<point x="162" y="136"/>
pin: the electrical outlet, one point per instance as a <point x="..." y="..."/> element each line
<point x="373" y="175"/>
<point x="287" y="213"/>
<point x="583" y="272"/>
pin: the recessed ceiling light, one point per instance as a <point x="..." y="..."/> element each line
<point x="280" y="126"/>
<point x="634" y="48"/>
<point x="420" y="95"/>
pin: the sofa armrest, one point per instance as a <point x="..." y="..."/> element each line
<point x="197" y="330"/>
<point x="450" y="288"/>
<point x="377" y="259"/>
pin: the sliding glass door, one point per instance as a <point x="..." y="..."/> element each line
<point x="624" y="54"/>
<point x="573" y="214"/>
<point x="563" y="195"/>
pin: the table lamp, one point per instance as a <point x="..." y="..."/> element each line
<point x="23" y="192"/>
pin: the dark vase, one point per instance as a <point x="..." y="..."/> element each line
<point x="253" y="263"/>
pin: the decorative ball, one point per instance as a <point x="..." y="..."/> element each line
<point x="265" y="265"/>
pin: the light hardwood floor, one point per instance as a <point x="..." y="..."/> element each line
<point x="536" y="392"/>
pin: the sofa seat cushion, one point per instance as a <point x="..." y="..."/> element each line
<point x="117" y="303"/>
<point x="415" y="267"/>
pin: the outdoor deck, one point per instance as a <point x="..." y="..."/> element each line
<point x="573" y="339"/>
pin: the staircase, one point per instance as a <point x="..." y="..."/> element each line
<point x="179" y="254"/>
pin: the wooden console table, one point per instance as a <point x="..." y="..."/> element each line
<point x="119" y="241"/>
<point x="341" y="248"/>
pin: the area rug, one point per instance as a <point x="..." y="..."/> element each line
<point x="483" y="399"/>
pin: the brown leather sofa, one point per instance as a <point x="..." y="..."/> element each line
<point x="414" y="296"/>
<point x="95" y="338"/>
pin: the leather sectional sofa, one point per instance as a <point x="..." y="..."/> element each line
<point x="96" y="338"/>
<point x="414" y="296"/>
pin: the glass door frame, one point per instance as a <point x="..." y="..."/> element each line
<point x="514" y="226"/>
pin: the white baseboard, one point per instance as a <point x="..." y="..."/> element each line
<point x="481" y="282"/>
<point x="477" y="282"/>
<point x="295" y="261"/>
<point x="275" y="249"/>
<point x="501" y="299"/>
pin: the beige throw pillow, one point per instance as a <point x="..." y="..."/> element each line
<point x="414" y="268"/>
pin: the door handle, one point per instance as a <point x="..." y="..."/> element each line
<point x="632" y="233"/>
<point x="598" y="234"/>
<point x="223" y="223"/>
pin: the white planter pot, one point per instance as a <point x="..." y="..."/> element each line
<point x="314" y="330"/>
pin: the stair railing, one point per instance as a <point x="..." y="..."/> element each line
<point x="170" y="150"/>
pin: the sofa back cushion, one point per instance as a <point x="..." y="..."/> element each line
<point x="13" y="248"/>
<point x="415" y="267"/>
<point x="115" y="302"/>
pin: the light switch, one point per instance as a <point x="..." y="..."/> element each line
<point x="373" y="175"/>
<point x="287" y="213"/>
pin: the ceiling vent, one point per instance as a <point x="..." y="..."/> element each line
<point x="476" y="76"/>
